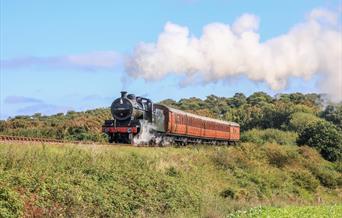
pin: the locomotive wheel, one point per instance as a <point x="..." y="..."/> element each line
<point x="111" y="139"/>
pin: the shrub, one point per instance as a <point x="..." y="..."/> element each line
<point x="269" y="136"/>
<point x="325" y="137"/>
<point x="311" y="155"/>
<point x="326" y="176"/>
<point x="305" y="179"/>
<point x="172" y="171"/>
<point x="228" y="193"/>
<point x="277" y="155"/>
<point x="10" y="203"/>
<point x="231" y="159"/>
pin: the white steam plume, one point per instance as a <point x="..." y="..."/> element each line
<point x="147" y="136"/>
<point x="222" y="51"/>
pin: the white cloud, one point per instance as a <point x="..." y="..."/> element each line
<point x="104" y="60"/>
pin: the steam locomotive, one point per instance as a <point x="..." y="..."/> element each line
<point x="136" y="120"/>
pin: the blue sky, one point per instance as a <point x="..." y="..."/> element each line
<point x="48" y="30"/>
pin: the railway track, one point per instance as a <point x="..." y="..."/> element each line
<point x="6" y="138"/>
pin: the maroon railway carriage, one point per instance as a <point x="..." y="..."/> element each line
<point x="137" y="117"/>
<point x="187" y="127"/>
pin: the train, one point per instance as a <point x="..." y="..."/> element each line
<point x="137" y="120"/>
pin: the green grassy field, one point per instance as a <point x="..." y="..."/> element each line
<point x="109" y="181"/>
<point x="326" y="211"/>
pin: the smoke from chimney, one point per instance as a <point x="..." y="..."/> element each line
<point x="223" y="51"/>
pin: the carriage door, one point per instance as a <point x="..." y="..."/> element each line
<point x="159" y="120"/>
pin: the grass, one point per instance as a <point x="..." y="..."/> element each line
<point x="109" y="181"/>
<point x="326" y="211"/>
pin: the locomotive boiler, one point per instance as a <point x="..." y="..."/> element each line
<point x="138" y="120"/>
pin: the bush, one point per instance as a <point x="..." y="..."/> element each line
<point x="10" y="203"/>
<point x="278" y="156"/>
<point x="305" y="179"/>
<point x="269" y="136"/>
<point x="228" y="193"/>
<point x="327" y="178"/>
<point x="299" y="120"/>
<point x="325" y="137"/>
<point x="231" y="159"/>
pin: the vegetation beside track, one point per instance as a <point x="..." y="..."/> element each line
<point x="289" y="164"/>
<point x="95" y="180"/>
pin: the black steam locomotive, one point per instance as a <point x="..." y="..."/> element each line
<point x="138" y="121"/>
<point x="129" y="113"/>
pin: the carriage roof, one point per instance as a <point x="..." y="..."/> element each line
<point x="177" y="111"/>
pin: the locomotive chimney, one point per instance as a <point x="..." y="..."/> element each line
<point x="123" y="94"/>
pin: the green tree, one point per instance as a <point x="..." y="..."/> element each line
<point x="259" y="98"/>
<point x="191" y="104"/>
<point x="216" y="104"/>
<point x="325" y="137"/>
<point x="237" y="100"/>
<point x="299" y="120"/>
<point x="169" y="102"/>
<point x="333" y="113"/>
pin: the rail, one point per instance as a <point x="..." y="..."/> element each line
<point x="41" y="140"/>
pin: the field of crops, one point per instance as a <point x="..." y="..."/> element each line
<point x="93" y="180"/>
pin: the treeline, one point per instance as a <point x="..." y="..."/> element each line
<point x="285" y="119"/>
